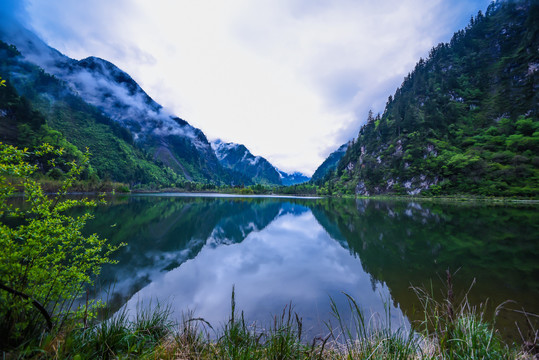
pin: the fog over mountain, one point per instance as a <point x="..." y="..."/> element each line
<point x="305" y="73"/>
<point x="169" y="140"/>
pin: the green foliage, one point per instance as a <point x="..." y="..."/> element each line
<point x="44" y="254"/>
<point x="121" y="335"/>
<point x="328" y="166"/>
<point x="38" y="107"/>
<point x="123" y="189"/>
<point x="238" y="341"/>
<point x="26" y="127"/>
<point x="464" y="121"/>
<point x="284" y="337"/>
<point x="299" y="189"/>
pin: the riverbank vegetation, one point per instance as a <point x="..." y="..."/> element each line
<point x="450" y="330"/>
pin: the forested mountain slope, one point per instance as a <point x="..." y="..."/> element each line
<point x="53" y="113"/>
<point x="330" y="164"/>
<point x="93" y="104"/>
<point x="465" y="120"/>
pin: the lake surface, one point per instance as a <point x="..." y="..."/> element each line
<point x="190" y="251"/>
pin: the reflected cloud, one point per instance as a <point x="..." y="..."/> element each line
<point x="189" y="251"/>
<point x="293" y="259"/>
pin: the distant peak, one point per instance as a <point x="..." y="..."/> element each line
<point x="96" y="60"/>
<point x="293" y="178"/>
<point x="98" y="64"/>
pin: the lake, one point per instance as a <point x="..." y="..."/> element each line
<point x="189" y="251"/>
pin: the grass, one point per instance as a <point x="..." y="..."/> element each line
<point x="121" y="336"/>
<point x="458" y="330"/>
<point x="448" y="331"/>
<point x="372" y="337"/>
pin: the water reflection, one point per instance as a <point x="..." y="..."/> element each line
<point x="162" y="233"/>
<point x="292" y="259"/>
<point x="190" y="251"/>
<point x="404" y="243"/>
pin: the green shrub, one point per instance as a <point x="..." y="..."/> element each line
<point x="45" y="262"/>
<point x="123" y="189"/>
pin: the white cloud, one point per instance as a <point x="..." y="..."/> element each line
<point x="288" y="248"/>
<point x="292" y="80"/>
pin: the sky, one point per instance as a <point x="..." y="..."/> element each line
<point x="292" y="80"/>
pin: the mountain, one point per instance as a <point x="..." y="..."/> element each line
<point x="464" y="121"/>
<point x="330" y="164"/>
<point x="238" y="158"/>
<point x="49" y="111"/>
<point x="94" y="104"/>
<point x="293" y="178"/>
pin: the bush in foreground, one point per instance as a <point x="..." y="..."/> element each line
<point x="45" y="262"/>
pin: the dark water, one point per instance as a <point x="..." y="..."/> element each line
<point x="190" y="251"/>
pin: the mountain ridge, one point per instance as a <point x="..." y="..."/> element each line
<point x="165" y="140"/>
<point x="330" y="164"/>
<point x="464" y="121"/>
<point x="238" y="158"/>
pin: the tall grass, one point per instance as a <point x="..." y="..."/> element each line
<point x="122" y="335"/>
<point x="238" y="341"/>
<point x="450" y="329"/>
<point x="281" y="340"/>
<point x="371" y="337"/>
<point x="457" y="330"/>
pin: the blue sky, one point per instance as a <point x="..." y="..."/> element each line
<point x="290" y="79"/>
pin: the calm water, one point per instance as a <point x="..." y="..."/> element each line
<point x="189" y="251"/>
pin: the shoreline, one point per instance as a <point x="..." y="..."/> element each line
<point x="462" y="198"/>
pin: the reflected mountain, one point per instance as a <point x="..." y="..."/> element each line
<point x="189" y="251"/>
<point x="404" y="243"/>
<point x="161" y="233"/>
<point x="293" y="259"/>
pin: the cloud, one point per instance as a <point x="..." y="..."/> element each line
<point x="130" y="105"/>
<point x="290" y="247"/>
<point x="290" y="79"/>
<point x="78" y="27"/>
